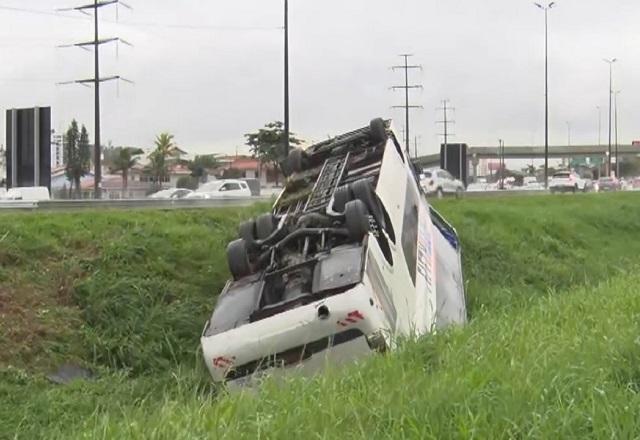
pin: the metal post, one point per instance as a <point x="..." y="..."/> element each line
<point x="36" y="146"/>
<point x="616" y="135"/>
<point x="14" y="148"/>
<point x="599" y="125"/>
<point x="97" y="146"/>
<point x="546" y="100"/>
<point x="610" y="98"/>
<point x="286" y="77"/>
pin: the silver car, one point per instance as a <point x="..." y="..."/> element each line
<point x="438" y="182"/>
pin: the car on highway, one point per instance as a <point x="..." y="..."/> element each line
<point x="438" y="182"/>
<point x="567" y="181"/>
<point x="27" y="193"/>
<point x="171" y="193"/>
<point x="350" y="258"/>
<point x="221" y="189"/>
<point x="609" y="184"/>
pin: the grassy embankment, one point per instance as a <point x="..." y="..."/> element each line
<point x="551" y="351"/>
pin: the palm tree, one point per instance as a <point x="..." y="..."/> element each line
<point x="122" y="161"/>
<point x="160" y="158"/>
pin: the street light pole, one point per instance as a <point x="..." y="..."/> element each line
<point x="546" y="91"/>
<point x="610" y="62"/>
<point x="97" y="147"/>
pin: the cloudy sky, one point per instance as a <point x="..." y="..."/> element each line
<point x="210" y="70"/>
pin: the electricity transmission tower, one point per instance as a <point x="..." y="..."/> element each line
<point x="96" y="80"/>
<point x="445" y="123"/>
<point x="406" y="67"/>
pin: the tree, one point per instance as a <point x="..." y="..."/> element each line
<point x="165" y="153"/>
<point x="201" y="165"/>
<point x="77" y="155"/>
<point x="530" y="170"/>
<point x="121" y="161"/>
<point x="268" y="144"/>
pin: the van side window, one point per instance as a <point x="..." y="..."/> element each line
<point x="230" y="187"/>
<point x="410" y="229"/>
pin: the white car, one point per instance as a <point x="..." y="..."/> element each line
<point x="440" y="182"/>
<point x="28" y="193"/>
<point x="220" y="189"/>
<point x="350" y="258"/>
<point x="567" y="181"/>
<point x="172" y="193"/>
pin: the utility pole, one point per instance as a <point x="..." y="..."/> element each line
<point x="96" y="80"/>
<point x="610" y="62"/>
<point x="286" y="77"/>
<point x="446" y="122"/>
<point x="406" y="67"/>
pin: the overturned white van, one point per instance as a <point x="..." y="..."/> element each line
<point x="351" y="257"/>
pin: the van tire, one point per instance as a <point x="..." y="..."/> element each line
<point x="238" y="259"/>
<point x="377" y="131"/>
<point x="356" y="219"/>
<point x="362" y="190"/>
<point x="341" y="196"/>
<point x="247" y="231"/>
<point x="295" y="160"/>
<point x="265" y="225"/>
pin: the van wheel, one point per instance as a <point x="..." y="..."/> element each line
<point x="362" y="190"/>
<point x="265" y="225"/>
<point x="439" y="193"/>
<point x="377" y="131"/>
<point x="459" y="193"/>
<point x="247" y="231"/>
<point x="341" y="196"/>
<point x="238" y="259"/>
<point x="356" y="219"/>
<point x="295" y="160"/>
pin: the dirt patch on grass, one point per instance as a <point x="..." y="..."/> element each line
<point x="33" y="326"/>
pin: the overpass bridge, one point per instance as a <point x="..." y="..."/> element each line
<point x="474" y="154"/>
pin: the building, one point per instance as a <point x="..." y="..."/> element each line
<point x="248" y="167"/>
<point x="175" y="172"/>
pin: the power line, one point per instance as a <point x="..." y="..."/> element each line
<point x="97" y="80"/>
<point x="144" y="24"/>
<point x="446" y="122"/>
<point x="406" y="67"/>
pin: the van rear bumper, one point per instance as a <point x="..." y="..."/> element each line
<point x="334" y="328"/>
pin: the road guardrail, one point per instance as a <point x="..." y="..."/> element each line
<point x="73" y="205"/>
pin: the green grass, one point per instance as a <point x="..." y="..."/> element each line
<point x="551" y="351"/>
